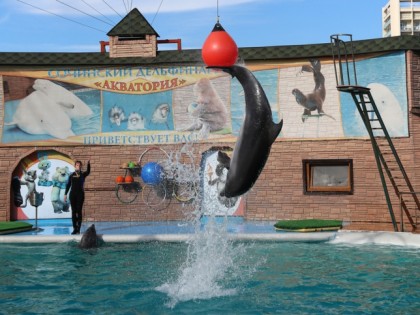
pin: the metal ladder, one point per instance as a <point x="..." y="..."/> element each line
<point x="387" y="159"/>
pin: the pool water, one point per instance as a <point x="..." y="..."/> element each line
<point x="264" y="278"/>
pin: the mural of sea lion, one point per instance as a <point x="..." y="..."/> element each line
<point x="256" y="136"/>
<point x="135" y="121"/>
<point x="315" y="99"/>
<point x="116" y="115"/>
<point x="160" y="114"/>
<point x="208" y="111"/>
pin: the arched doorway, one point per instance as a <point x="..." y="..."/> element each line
<point x="213" y="180"/>
<point x="46" y="172"/>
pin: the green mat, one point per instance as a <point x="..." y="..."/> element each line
<point x="309" y="225"/>
<point x="14" y="227"/>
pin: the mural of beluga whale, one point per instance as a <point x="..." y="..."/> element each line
<point x="73" y="106"/>
<point x="49" y="110"/>
<point x="390" y="110"/>
<point x="257" y="134"/>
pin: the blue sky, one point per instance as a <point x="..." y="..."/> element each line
<point x="252" y="23"/>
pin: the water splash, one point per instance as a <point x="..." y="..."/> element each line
<point x="214" y="262"/>
<point x="210" y="258"/>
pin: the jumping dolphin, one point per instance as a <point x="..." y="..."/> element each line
<point x="256" y="136"/>
<point x="89" y="238"/>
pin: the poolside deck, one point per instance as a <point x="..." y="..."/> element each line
<point x="56" y="231"/>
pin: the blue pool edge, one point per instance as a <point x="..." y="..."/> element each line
<point x="339" y="237"/>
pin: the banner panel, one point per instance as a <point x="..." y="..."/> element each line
<point x="163" y="105"/>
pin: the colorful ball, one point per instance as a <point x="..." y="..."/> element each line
<point x="151" y="173"/>
<point x="219" y="49"/>
<point x="119" y="179"/>
<point x="129" y="179"/>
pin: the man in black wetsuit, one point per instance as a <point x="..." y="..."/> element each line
<point x="77" y="194"/>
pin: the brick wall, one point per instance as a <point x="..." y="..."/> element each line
<point x="414" y="84"/>
<point x="278" y="193"/>
<point x="18" y="87"/>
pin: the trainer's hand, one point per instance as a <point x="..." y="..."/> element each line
<point x="65" y="198"/>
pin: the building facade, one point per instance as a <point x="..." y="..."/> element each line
<point x="79" y="95"/>
<point x="126" y="113"/>
<point x="401" y="17"/>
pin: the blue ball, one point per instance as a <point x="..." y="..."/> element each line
<point x="151" y="173"/>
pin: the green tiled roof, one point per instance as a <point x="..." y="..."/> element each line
<point x="324" y="50"/>
<point x="193" y="56"/>
<point x="133" y="23"/>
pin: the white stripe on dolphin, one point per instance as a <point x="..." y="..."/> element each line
<point x="256" y="136"/>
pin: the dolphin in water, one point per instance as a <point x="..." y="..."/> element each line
<point x="256" y="136"/>
<point x="89" y="238"/>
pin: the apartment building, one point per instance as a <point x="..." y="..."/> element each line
<point x="401" y="17"/>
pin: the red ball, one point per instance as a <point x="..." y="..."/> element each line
<point x="129" y="179"/>
<point x="119" y="179"/>
<point x="219" y="49"/>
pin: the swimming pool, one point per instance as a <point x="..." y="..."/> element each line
<point x="53" y="231"/>
<point x="261" y="278"/>
<point x="234" y="225"/>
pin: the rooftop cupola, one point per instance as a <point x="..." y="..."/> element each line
<point x="133" y="36"/>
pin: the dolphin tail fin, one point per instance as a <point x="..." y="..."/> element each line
<point x="275" y="130"/>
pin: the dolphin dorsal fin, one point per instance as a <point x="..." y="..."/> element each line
<point x="275" y="130"/>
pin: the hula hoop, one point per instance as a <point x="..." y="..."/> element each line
<point x="185" y="192"/>
<point x="185" y="187"/>
<point x="154" y="196"/>
<point x="148" y="150"/>
<point x="127" y="192"/>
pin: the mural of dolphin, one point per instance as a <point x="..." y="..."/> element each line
<point x="89" y="238"/>
<point x="256" y="136"/>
